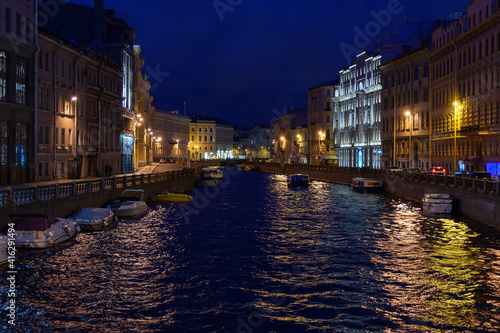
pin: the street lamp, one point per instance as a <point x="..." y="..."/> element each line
<point x="282" y="149"/>
<point x="409" y="115"/>
<point x="455" y="138"/>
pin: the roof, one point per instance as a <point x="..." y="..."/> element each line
<point x="201" y="118"/>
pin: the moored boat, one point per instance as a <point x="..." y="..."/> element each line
<point x="437" y="203"/>
<point x="130" y="203"/>
<point x="41" y="231"/>
<point x="91" y="219"/>
<point x="171" y="197"/>
<point x="212" y="173"/>
<point x="298" y="180"/>
<point x="366" y="185"/>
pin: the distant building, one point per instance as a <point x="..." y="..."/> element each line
<point x="256" y="142"/>
<point x="319" y="122"/>
<point x="465" y="96"/>
<point x="18" y="46"/>
<point x="171" y="136"/>
<point x="210" y="138"/>
<point x="291" y="137"/>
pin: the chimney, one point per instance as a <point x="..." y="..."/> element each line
<point x="98" y="25"/>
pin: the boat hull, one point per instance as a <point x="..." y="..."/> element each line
<point x="94" y="219"/>
<point x="130" y="210"/>
<point x="437" y="203"/>
<point x="57" y="233"/>
<point x="171" y="197"/>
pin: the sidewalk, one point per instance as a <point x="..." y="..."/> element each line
<point x="151" y="168"/>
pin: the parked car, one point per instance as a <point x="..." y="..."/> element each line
<point x="414" y="170"/>
<point x="481" y="175"/>
<point x="162" y="160"/>
<point x="393" y="168"/>
<point x="437" y="171"/>
<point x="461" y="174"/>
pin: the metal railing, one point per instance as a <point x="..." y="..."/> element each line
<point x="476" y="185"/>
<point x="15" y="196"/>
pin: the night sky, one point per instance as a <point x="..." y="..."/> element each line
<point x="247" y="61"/>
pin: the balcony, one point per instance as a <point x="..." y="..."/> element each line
<point x="327" y="109"/>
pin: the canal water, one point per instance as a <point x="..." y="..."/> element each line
<point x="256" y="256"/>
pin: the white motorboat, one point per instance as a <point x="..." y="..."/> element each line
<point x="3" y="249"/>
<point x="212" y="173"/>
<point x="366" y="185"/>
<point x="41" y="231"/>
<point x="437" y="203"/>
<point x="130" y="203"/>
<point x="94" y="218"/>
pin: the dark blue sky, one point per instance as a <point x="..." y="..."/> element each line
<point x="241" y="59"/>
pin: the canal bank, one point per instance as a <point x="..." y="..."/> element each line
<point x="475" y="199"/>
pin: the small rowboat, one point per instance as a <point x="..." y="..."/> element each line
<point x="171" y="197"/>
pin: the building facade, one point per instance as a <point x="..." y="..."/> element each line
<point x="320" y="125"/>
<point x="465" y="90"/>
<point x="18" y="46"/>
<point x="357" y="119"/>
<point x="210" y="138"/>
<point x="170" y="141"/>
<point x="405" y="111"/>
<point x="79" y="112"/>
<point x="102" y="32"/>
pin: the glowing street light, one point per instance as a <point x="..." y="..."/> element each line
<point x="409" y="115"/>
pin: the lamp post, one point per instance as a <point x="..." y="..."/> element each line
<point x="409" y="115"/>
<point x="177" y="150"/>
<point x="74" y="99"/>
<point x="282" y="149"/>
<point x="455" y="138"/>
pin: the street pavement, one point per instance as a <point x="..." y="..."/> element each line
<point x="151" y="168"/>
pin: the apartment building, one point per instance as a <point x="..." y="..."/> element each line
<point x="405" y="110"/>
<point x="17" y="91"/>
<point x="465" y="90"/>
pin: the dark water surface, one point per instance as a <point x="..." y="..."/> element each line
<point x="256" y="256"/>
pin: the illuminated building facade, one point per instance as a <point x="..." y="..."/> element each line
<point x="405" y="110"/>
<point x="319" y="122"/>
<point x="465" y="90"/>
<point x="17" y="91"/>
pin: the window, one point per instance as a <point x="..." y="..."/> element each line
<point x="18" y="24"/>
<point x="426" y="69"/>
<point x="47" y="133"/>
<point x="21" y="81"/>
<point x="57" y="135"/>
<point x="7" y="20"/>
<point x="3" y="76"/>
<point x="62" y="68"/>
<point x="63" y="136"/>
<point x="415" y="73"/>
<point x="415" y="96"/>
<point x="22" y="145"/>
<point x="4" y="142"/>
<point x="46" y="61"/>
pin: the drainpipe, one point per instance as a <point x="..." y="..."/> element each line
<point x="76" y="111"/>
<point x="430" y="110"/>
<point x="99" y="109"/>
<point x="54" y="70"/>
<point x="394" y="109"/>
<point x="410" y="146"/>
<point x="35" y="97"/>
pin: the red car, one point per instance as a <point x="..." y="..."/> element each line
<point x="437" y="171"/>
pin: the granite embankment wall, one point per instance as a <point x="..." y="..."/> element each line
<point x="476" y="199"/>
<point x="64" y="199"/>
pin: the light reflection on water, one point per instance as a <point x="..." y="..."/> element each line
<point x="264" y="257"/>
